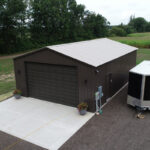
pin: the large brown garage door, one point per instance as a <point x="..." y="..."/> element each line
<point x="54" y="83"/>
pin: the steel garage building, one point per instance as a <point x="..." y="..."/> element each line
<point x="71" y="73"/>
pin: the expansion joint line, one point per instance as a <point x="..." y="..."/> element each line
<point x="19" y="140"/>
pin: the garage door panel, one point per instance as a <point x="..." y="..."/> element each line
<point x="35" y="67"/>
<point x="65" y="101"/>
<point x="50" y="76"/>
<point x="54" y="80"/>
<point x="53" y="83"/>
<point x="52" y="91"/>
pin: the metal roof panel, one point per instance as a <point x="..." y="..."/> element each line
<point x="94" y="52"/>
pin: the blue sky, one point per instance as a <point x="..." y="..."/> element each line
<point x="117" y="11"/>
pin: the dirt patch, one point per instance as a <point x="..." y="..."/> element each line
<point x="15" y="55"/>
<point x="7" y="77"/>
<point x="10" y="56"/>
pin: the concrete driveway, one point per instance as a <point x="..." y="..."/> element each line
<point x="48" y="125"/>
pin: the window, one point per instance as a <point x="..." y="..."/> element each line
<point x="147" y="89"/>
<point x="135" y="83"/>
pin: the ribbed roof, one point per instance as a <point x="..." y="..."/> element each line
<point x="94" y="52"/>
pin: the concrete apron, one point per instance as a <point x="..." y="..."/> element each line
<point x="43" y="123"/>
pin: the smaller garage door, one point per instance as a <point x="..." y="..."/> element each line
<point x="54" y="83"/>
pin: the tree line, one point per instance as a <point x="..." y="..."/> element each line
<point x="29" y="24"/>
<point x="135" y="25"/>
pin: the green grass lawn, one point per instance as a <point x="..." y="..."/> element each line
<point x="140" y="40"/>
<point x="7" y="80"/>
<point x="143" y="54"/>
<point x="6" y="66"/>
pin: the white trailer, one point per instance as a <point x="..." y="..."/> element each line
<point x="139" y="86"/>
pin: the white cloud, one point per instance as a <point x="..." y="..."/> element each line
<point x="117" y="11"/>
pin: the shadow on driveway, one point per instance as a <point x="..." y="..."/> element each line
<point x="116" y="129"/>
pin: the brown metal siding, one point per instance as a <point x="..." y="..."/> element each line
<point x="88" y="79"/>
<point x="117" y="71"/>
